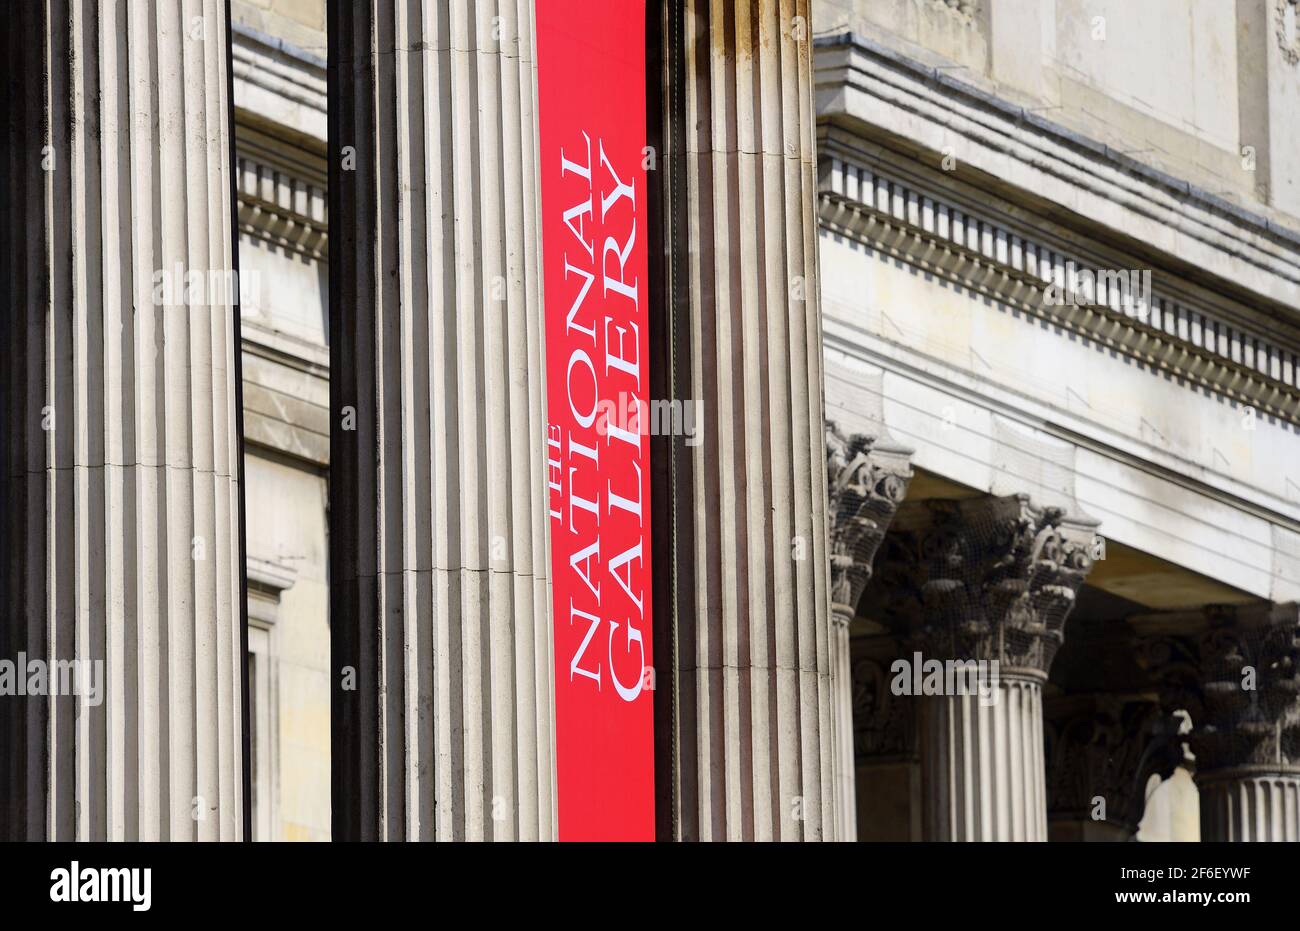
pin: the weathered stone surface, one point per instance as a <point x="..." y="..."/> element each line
<point x="866" y="482"/>
<point x="982" y="765"/>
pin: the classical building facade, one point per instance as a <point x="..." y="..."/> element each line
<point x="1061" y="272"/>
<point x="991" y="314"/>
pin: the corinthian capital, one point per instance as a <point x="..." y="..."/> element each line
<point x="1236" y="670"/>
<point x="1102" y="749"/>
<point x="990" y="578"/>
<point x="867" y="480"/>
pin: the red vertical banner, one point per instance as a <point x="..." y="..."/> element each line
<point x="592" y="114"/>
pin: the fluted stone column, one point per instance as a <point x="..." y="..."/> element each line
<point x="982" y="763"/>
<point x="750" y="718"/>
<point x="845" y="808"/>
<point x="1238" y="676"/>
<point x="120" y="438"/>
<point x="985" y="581"/>
<point x="1250" y="805"/>
<point x="867" y="480"/>
<point x="439" y="603"/>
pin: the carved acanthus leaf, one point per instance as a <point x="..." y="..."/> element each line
<point x="865" y="486"/>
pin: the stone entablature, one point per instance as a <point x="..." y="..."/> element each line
<point x="284" y="84"/>
<point x="280" y="130"/>
<point x="1171" y="330"/>
<point x="883" y="97"/>
<point x="286" y="208"/>
<point x="281" y="185"/>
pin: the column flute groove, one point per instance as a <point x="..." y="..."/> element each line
<point x="982" y="768"/>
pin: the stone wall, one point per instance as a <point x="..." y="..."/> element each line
<point x="1200" y="89"/>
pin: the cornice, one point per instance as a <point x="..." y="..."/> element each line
<point x="884" y="97"/>
<point x="279" y="67"/>
<point x="861" y="198"/>
<point x="281" y="203"/>
<point x="282" y="174"/>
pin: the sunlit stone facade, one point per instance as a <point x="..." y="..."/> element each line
<point x="989" y="307"/>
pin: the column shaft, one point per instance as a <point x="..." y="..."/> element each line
<point x="846" y="811"/>
<point x="982" y="766"/>
<point x="440" y="598"/>
<point x="751" y="712"/>
<point x="120" y="440"/>
<point x="1250" y="807"/>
